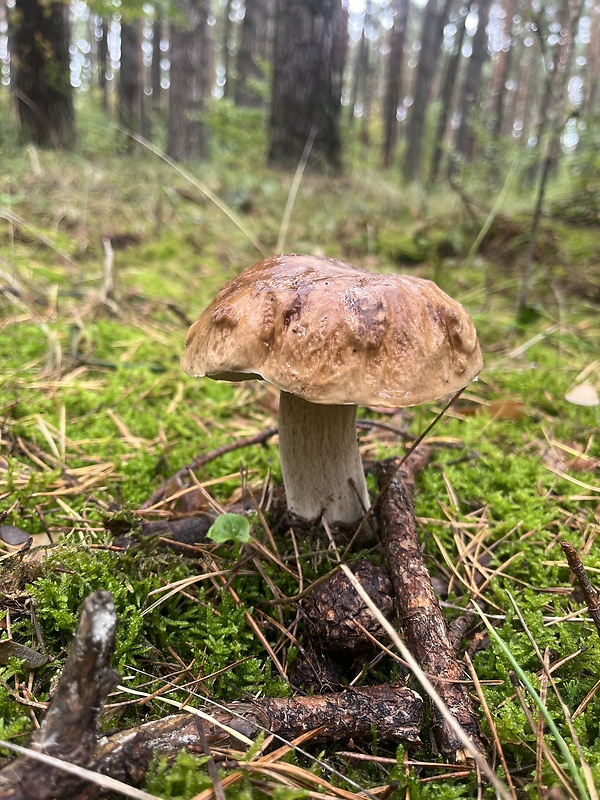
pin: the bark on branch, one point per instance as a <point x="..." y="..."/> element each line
<point x="391" y="713"/>
<point x="69" y="730"/>
<point x="421" y="617"/>
<point x="590" y="593"/>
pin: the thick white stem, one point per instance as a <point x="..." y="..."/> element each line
<point x="320" y="460"/>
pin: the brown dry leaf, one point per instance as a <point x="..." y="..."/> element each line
<point x="567" y="455"/>
<point x="468" y="410"/>
<point x="506" y="409"/>
<point x="582" y="463"/>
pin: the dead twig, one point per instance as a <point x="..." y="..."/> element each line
<point x="210" y="763"/>
<point x="420" y="614"/>
<point x="591" y="595"/>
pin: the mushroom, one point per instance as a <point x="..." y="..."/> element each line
<point x="332" y="336"/>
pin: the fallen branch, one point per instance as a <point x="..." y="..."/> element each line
<point x="390" y="713"/>
<point x="420" y="614"/>
<point x="69" y="729"/>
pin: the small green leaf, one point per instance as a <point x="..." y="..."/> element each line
<point x="230" y="527"/>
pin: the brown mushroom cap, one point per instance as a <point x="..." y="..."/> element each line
<point x="332" y="333"/>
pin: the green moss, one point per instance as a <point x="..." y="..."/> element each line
<point x="403" y="245"/>
<point x="186" y="778"/>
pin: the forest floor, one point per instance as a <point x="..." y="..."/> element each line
<point x="106" y="259"/>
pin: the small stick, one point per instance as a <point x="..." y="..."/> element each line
<point x="200" y="461"/>
<point x="421" y="617"/>
<point x="591" y="595"/>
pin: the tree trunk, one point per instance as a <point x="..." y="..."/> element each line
<point x="190" y="59"/>
<point x="502" y="68"/>
<point x="131" y="91"/>
<point x="432" y="34"/>
<point x="555" y="94"/>
<point x="394" y="79"/>
<point x="465" y="139"/>
<point x="592" y="70"/>
<point x="447" y="94"/>
<point x="226" y="49"/>
<point x="361" y="67"/>
<point x="102" y="25"/>
<point x="570" y="14"/>
<point x="519" y="112"/>
<point x="306" y="86"/>
<point x="5" y="26"/>
<point x="40" y="60"/>
<point x="340" y="50"/>
<point x="366" y="68"/>
<point x="250" y="71"/>
<point x="155" y="69"/>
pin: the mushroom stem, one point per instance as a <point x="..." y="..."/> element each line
<point x="320" y="460"/>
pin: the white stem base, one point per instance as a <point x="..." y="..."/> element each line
<point x="320" y="460"/>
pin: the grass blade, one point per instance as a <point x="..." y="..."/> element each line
<point x="561" y="744"/>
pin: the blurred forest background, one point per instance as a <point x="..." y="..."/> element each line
<point x="426" y="89"/>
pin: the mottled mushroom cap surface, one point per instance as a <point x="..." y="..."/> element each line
<point x="332" y="333"/>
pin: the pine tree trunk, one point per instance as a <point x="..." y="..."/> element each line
<point x="251" y="51"/>
<point x="40" y="60"/>
<point x="365" y="77"/>
<point x="306" y="87"/>
<point x="502" y="68"/>
<point x="592" y="76"/>
<point x="190" y="60"/>
<point x="519" y="111"/>
<point x="226" y="48"/>
<point x="361" y="67"/>
<point x="561" y="74"/>
<point x="394" y="79"/>
<point x="6" y="28"/>
<point x="340" y="50"/>
<point x="431" y="40"/>
<point x="555" y="95"/>
<point x="155" y="69"/>
<point x="102" y="25"/>
<point x="524" y="110"/>
<point x="130" y="79"/>
<point x="465" y="139"/>
<point x="447" y="95"/>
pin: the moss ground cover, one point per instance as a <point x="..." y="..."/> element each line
<point x="96" y="413"/>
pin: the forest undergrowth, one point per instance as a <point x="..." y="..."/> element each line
<point x="105" y="261"/>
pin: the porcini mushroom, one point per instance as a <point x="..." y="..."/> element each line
<point x="332" y="336"/>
